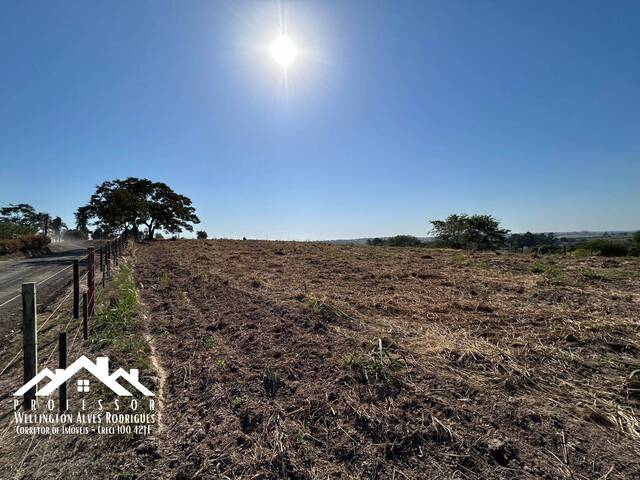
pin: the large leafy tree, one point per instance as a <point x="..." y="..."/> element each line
<point x="469" y="231"/>
<point x="124" y="205"/>
<point x="22" y="214"/>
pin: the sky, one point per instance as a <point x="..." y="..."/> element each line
<point x="394" y="113"/>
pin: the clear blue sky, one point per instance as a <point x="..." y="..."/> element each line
<point x="395" y="112"/>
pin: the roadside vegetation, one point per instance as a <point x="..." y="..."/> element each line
<point x="116" y="326"/>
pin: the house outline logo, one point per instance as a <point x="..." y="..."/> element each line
<point x="100" y="370"/>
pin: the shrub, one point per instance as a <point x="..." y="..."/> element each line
<point x="634" y="250"/>
<point x="24" y="243"/>
<point x="605" y="248"/>
<point x="201" y="234"/>
<point x="403" y="241"/>
<point x="34" y="242"/>
<point x="9" y="246"/>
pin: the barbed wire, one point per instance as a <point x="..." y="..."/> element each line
<point x="45" y="280"/>
<point x="90" y="299"/>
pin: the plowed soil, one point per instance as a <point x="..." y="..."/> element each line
<point x="300" y="360"/>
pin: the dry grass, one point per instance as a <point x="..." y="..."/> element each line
<point x="514" y="361"/>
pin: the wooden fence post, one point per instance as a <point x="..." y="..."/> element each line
<point x="91" y="279"/>
<point x="109" y="260"/>
<point x="29" y="340"/>
<point x="76" y="289"/>
<point x="85" y="315"/>
<point x="62" y="363"/>
<point x="101" y="259"/>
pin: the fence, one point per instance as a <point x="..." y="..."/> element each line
<point x="108" y="257"/>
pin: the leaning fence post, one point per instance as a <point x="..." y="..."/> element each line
<point x="85" y="315"/>
<point x="29" y="340"/>
<point x="91" y="279"/>
<point x="62" y="364"/>
<point x="76" y="289"/>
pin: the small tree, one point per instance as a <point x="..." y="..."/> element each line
<point x="202" y="235"/>
<point x="469" y="231"/>
<point x="57" y="225"/>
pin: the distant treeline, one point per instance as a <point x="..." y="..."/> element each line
<point x="397" y="241"/>
<point x="483" y="232"/>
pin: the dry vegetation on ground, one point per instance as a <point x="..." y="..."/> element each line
<point x="296" y="360"/>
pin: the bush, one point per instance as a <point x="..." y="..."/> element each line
<point x="9" y="246"/>
<point x="634" y="250"/>
<point x="34" y="242"/>
<point x="202" y="235"/>
<point x="25" y="243"/>
<point x="605" y="248"/>
<point x="403" y="241"/>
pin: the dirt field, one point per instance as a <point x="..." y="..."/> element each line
<point x="293" y="360"/>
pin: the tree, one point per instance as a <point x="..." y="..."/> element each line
<point x="22" y="214"/>
<point x="201" y="234"/>
<point x="10" y="230"/>
<point x="124" y="205"/>
<point x="469" y="231"/>
<point x="56" y="227"/>
<point x="450" y="232"/>
<point x="82" y="221"/>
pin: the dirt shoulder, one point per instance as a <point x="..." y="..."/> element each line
<point x="290" y="360"/>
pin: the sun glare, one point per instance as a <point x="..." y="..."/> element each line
<point x="283" y="51"/>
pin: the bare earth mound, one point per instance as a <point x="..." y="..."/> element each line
<point x="293" y="360"/>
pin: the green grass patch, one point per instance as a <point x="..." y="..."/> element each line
<point x="376" y="365"/>
<point x="116" y="326"/>
<point x="551" y="272"/>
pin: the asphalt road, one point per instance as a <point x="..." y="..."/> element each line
<point x="45" y="271"/>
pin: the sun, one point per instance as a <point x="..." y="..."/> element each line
<point x="283" y="51"/>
